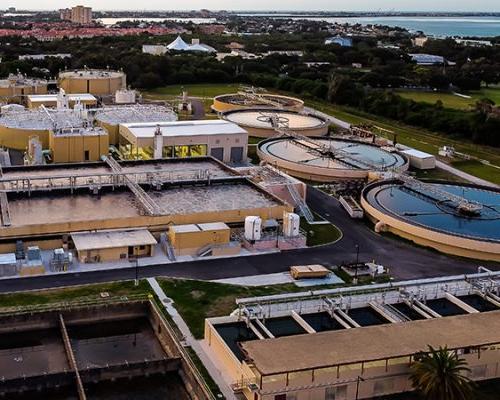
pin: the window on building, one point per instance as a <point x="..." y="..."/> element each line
<point x="383" y="386"/>
<point x="167" y="151"/>
<point x="280" y="397"/>
<point x="336" y="393"/>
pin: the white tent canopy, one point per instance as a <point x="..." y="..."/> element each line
<point x="180" y="45"/>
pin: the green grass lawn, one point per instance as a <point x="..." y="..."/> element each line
<point x="74" y="294"/>
<point x="420" y="139"/>
<point x="452" y="101"/>
<point x="449" y="100"/>
<point x="321" y="233"/>
<point x="492" y="93"/>
<point x="478" y="169"/>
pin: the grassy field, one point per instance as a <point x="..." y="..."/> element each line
<point x="75" y="294"/>
<point x="420" y="139"/>
<point x="492" y="93"/>
<point x="449" y="100"/>
<point x="321" y="233"/>
<point x="452" y="101"/>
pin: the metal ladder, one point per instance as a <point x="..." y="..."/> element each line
<point x="149" y="205"/>
<point x="301" y="204"/>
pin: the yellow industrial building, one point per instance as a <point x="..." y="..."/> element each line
<point x="71" y="145"/>
<point x="96" y="82"/>
<point x="195" y="238"/>
<point x="354" y="343"/>
<point x="110" y="118"/>
<point x="131" y="195"/>
<point x="17" y="86"/>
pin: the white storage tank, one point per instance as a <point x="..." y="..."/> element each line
<point x="291" y="225"/>
<point x="125" y="96"/>
<point x="253" y="228"/>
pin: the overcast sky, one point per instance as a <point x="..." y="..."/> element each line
<point x="323" y="5"/>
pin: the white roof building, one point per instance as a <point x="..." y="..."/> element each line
<point x="180" y="45"/>
<point x="223" y="140"/>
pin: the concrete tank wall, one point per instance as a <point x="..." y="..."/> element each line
<point x="17" y="138"/>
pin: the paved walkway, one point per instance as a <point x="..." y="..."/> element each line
<point x="189" y="339"/>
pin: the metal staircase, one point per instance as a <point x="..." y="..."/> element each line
<point x="305" y="211"/>
<point x="147" y="203"/>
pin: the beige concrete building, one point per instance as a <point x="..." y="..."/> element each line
<point x="346" y="344"/>
<point x="50" y="100"/>
<point x="71" y="145"/>
<point x="194" y="238"/>
<point x="77" y="15"/>
<point x="106" y="246"/>
<point x="222" y="140"/>
<point x="16" y="87"/>
<point x="96" y="82"/>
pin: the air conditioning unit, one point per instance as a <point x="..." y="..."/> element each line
<point x="253" y="228"/>
<point x="291" y="225"/>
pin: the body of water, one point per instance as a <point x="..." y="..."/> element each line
<point x="435" y="26"/>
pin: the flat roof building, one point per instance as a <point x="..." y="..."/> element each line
<point x="45" y="203"/>
<point x="113" y="245"/>
<point x="355" y="342"/>
<point x="98" y="82"/>
<point x="50" y="100"/>
<point x="222" y="140"/>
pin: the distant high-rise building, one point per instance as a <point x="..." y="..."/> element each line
<point x="77" y="14"/>
<point x="65" y="14"/>
<point x="81" y="15"/>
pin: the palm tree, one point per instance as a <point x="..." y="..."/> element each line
<point x="441" y="375"/>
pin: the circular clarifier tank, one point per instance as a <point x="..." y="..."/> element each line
<point x="457" y="219"/>
<point x="238" y="101"/>
<point x="263" y="122"/>
<point x="328" y="160"/>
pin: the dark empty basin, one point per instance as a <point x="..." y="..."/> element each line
<point x="321" y="322"/>
<point x="367" y="316"/>
<point x="234" y="333"/>
<point x="283" y="326"/>
<point x="407" y="311"/>
<point x="444" y="307"/>
<point x="479" y="303"/>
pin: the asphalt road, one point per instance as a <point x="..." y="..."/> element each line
<point x="404" y="260"/>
